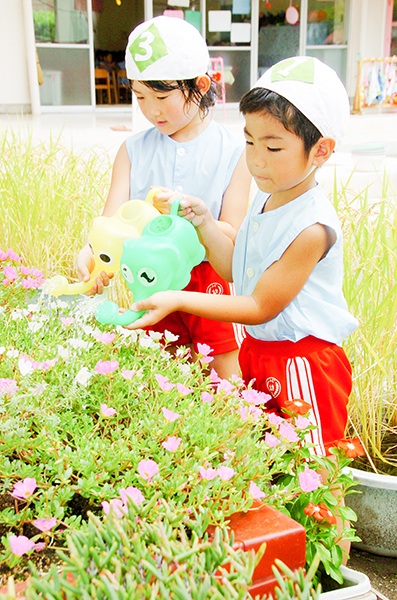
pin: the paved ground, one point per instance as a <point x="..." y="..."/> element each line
<point x="88" y="131"/>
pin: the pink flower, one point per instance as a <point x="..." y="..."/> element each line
<point x="169" y="415"/>
<point x="25" y="270"/>
<point x="3" y="255"/>
<point x="163" y="382"/>
<point x="6" y="282"/>
<point x="37" y="273"/>
<point x="255" y="492"/>
<point x="274" y="419"/>
<point x="46" y="364"/>
<point x="10" y="273"/>
<point x="204" y="350"/>
<point x="309" y="480"/>
<point x="40" y="546"/>
<point x="115" y="504"/>
<point x="288" y="432"/>
<point x="252" y="411"/>
<point x="148" y="469"/>
<point x="214" y="377"/>
<point x="106" y="367"/>
<point x="271" y="440"/>
<point x="226" y="473"/>
<point x="20" y="544"/>
<point x="225" y="387"/>
<point x="209" y="473"/>
<point x="107" y="411"/>
<point x="255" y="397"/>
<point x="132" y="493"/>
<point x="45" y="524"/>
<point x="206" y="397"/>
<point x="67" y="320"/>
<point x="11" y="254"/>
<point x="8" y="387"/>
<point x="106" y="338"/>
<point x="128" y="374"/>
<point x="25" y="488"/>
<point x="301" y="422"/>
<point x="182" y="389"/>
<point x="172" y="443"/>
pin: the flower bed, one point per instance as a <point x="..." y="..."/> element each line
<point x="97" y="421"/>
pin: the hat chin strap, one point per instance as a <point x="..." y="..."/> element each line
<point x="313" y="168"/>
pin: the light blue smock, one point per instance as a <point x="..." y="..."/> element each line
<point x="320" y="308"/>
<point x="201" y="167"/>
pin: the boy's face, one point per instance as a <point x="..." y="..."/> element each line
<point x="275" y="156"/>
<point x="168" y="111"/>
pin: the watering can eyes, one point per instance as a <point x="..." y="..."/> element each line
<point x="147" y="276"/>
<point x="105" y="257"/>
<point x="127" y="273"/>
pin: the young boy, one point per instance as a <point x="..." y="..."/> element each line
<point x="287" y="261"/>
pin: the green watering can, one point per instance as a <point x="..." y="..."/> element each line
<point x="161" y="259"/>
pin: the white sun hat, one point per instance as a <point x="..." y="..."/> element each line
<point x="166" y="49"/>
<point x="315" y="89"/>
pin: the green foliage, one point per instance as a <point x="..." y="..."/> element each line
<point x="370" y="288"/>
<point x="296" y="585"/>
<point x="44" y="25"/>
<point x="136" y="558"/>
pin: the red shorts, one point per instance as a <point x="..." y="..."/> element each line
<point x="313" y="370"/>
<point x="221" y="337"/>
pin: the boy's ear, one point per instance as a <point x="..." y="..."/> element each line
<point x="323" y="150"/>
<point x="203" y="83"/>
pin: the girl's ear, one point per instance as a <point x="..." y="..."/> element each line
<point x="322" y="150"/>
<point x="203" y="83"/>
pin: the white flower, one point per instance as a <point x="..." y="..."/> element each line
<point x="76" y="343"/>
<point x="155" y="335"/>
<point x="63" y="352"/>
<point x="25" y="365"/>
<point x="147" y="342"/>
<point x="131" y="335"/>
<point x="32" y="308"/>
<point x="62" y="303"/>
<point x="16" y="315"/>
<point x="83" y="376"/>
<point x="170" y="337"/>
<point x="2" y="309"/>
<point x="184" y="368"/>
<point x="12" y="353"/>
<point x="90" y="330"/>
<point x="2" y="349"/>
<point x="34" y="326"/>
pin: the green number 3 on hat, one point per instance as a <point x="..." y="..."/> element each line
<point x="148" y="48"/>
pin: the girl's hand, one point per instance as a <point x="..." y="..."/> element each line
<point x="162" y="200"/>
<point x="157" y="306"/>
<point x="85" y="265"/>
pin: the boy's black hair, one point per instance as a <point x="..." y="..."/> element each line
<point x="260" y="100"/>
<point x="190" y="90"/>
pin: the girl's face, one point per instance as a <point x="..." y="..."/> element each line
<point x="276" y="157"/>
<point x="168" y="111"/>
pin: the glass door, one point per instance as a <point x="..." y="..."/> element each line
<point x="63" y="34"/>
<point x="327" y="33"/>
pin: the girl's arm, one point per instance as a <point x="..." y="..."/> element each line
<point x="276" y="288"/>
<point x="119" y="193"/>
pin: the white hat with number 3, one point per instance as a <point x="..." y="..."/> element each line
<point x="315" y="89"/>
<point x="166" y="49"/>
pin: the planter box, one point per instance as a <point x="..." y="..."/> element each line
<point x="357" y="587"/>
<point x="285" y="539"/>
<point x="376" y="509"/>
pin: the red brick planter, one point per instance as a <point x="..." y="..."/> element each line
<point x="285" y="539"/>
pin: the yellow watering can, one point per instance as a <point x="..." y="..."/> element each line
<point x="106" y="239"/>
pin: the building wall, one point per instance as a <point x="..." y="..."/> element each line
<point x="14" y="89"/>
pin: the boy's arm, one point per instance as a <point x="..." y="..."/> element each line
<point x="236" y="197"/>
<point x="276" y="288"/>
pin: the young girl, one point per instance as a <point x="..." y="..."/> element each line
<point x="167" y="61"/>
<point x="287" y="262"/>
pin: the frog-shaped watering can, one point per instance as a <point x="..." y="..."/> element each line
<point x="161" y="259"/>
<point x="106" y="239"/>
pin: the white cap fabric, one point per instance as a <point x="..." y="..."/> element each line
<point x="315" y="89"/>
<point x="166" y="49"/>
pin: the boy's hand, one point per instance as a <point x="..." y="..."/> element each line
<point x="161" y="201"/>
<point x="193" y="209"/>
<point x="157" y="306"/>
<point x="85" y="265"/>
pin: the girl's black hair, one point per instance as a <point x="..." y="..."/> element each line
<point x="260" y="100"/>
<point x="190" y="90"/>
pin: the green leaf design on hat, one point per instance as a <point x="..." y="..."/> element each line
<point x="147" y="48"/>
<point x="298" y="68"/>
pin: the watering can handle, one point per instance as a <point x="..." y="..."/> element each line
<point x="175" y="206"/>
<point x="151" y="195"/>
